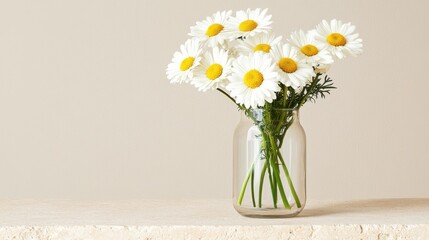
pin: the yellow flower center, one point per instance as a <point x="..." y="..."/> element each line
<point x="214" y="29"/>
<point x="288" y="65"/>
<point x="253" y="78"/>
<point x="262" y="47"/>
<point x="336" y="39"/>
<point x="214" y="71"/>
<point x="309" y="50"/>
<point x="247" y="26"/>
<point x="187" y="63"/>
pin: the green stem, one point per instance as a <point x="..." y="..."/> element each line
<point x="310" y="90"/>
<point x="291" y="99"/>
<point x="261" y="183"/>
<point x="271" y="177"/>
<point x="268" y="152"/>
<point x="284" y="113"/>
<point x="289" y="180"/>
<point x="252" y="186"/>
<point x="282" y="137"/>
<point x="276" y="172"/>
<point x="284" y="96"/>
<point x="273" y="157"/>
<point x="280" y="124"/>
<point x="275" y="185"/>
<point x="243" y="187"/>
<point x="232" y="99"/>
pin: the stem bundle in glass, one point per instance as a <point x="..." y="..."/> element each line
<point x="273" y="126"/>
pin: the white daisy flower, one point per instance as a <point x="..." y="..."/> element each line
<point x="184" y="62"/>
<point x="213" y="70"/>
<point x="313" y="52"/>
<point x="339" y="38"/>
<point x="248" y="23"/>
<point x="211" y="30"/>
<point x="293" y="70"/>
<point x="260" y="42"/>
<point x="254" y="80"/>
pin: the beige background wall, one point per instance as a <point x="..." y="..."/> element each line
<point x="87" y="112"/>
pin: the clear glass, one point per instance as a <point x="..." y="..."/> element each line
<point x="269" y="163"/>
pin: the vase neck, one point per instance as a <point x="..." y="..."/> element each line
<point x="273" y="116"/>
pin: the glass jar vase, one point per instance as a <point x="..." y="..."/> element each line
<point x="269" y="163"/>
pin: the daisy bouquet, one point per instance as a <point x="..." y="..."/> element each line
<point x="239" y="56"/>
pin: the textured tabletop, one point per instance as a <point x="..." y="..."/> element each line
<point x="210" y="219"/>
